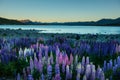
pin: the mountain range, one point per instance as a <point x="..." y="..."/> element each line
<point x="102" y="22"/>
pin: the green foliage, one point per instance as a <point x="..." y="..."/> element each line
<point x="9" y="70"/>
<point x="108" y="73"/>
<point x="36" y="74"/>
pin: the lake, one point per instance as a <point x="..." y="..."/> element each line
<point x="67" y="29"/>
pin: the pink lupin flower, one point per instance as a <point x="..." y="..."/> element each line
<point x="71" y="58"/>
<point x="60" y="58"/>
<point x="66" y="59"/>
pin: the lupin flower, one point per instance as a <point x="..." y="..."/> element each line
<point x="46" y="52"/>
<point x="30" y="77"/>
<point x="57" y="77"/>
<point x="40" y="66"/>
<point x="79" y="68"/>
<point x="71" y="58"/>
<point x="78" y="77"/>
<point x="40" y="54"/>
<point x="93" y="72"/>
<point x="88" y="71"/>
<point x="49" y="71"/>
<point x="60" y="58"/>
<point x="57" y="69"/>
<point x="21" y="52"/>
<point x="31" y="64"/>
<point x="87" y="60"/>
<point x="102" y="76"/>
<point x="42" y="77"/>
<point x="98" y="73"/>
<point x="35" y="61"/>
<point x="18" y="77"/>
<point x="76" y="59"/>
<point x="51" y="57"/>
<point x="84" y="77"/>
<point x="110" y="64"/>
<point x="63" y="67"/>
<point x="57" y="51"/>
<point x="67" y="72"/>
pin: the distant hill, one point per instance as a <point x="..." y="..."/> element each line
<point x="102" y="22"/>
<point x="4" y="21"/>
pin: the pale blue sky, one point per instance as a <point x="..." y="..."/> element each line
<point x="60" y="10"/>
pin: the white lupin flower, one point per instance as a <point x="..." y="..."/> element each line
<point x="83" y="61"/>
<point x="88" y="71"/>
<point x="21" y="52"/>
<point x="79" y="68"/>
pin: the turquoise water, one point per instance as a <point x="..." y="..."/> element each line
<point x="67" y="29"/>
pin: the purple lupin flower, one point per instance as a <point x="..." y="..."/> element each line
<point x="57" y="77"/>
<point x="40" y="66"/>
<point x="102" y="77"/>
<point x="93" y="72"/>
<point x="49" y="71"/>
<point x="18" y="77"/>
<point x="110" y="64"/>
<point x="40" y="54"/>
<point x="63" y="67"/>
<point x="46" y="52"/>
<point x="30" y="77"/>
<point x="83" y="61"/>
<point x="87" y="60"/>
<point x="57" y="51"/>
<point x="57" y="69"/>
<point x="105" y="67"/>
<point x="98" y="73"/>
<point x="118" y="61"/>
<point x="42" y="77"/>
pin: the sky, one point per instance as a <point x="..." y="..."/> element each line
<point x="59" y="10"/>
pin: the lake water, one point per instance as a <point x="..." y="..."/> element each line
<point x="67" y="29"/>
